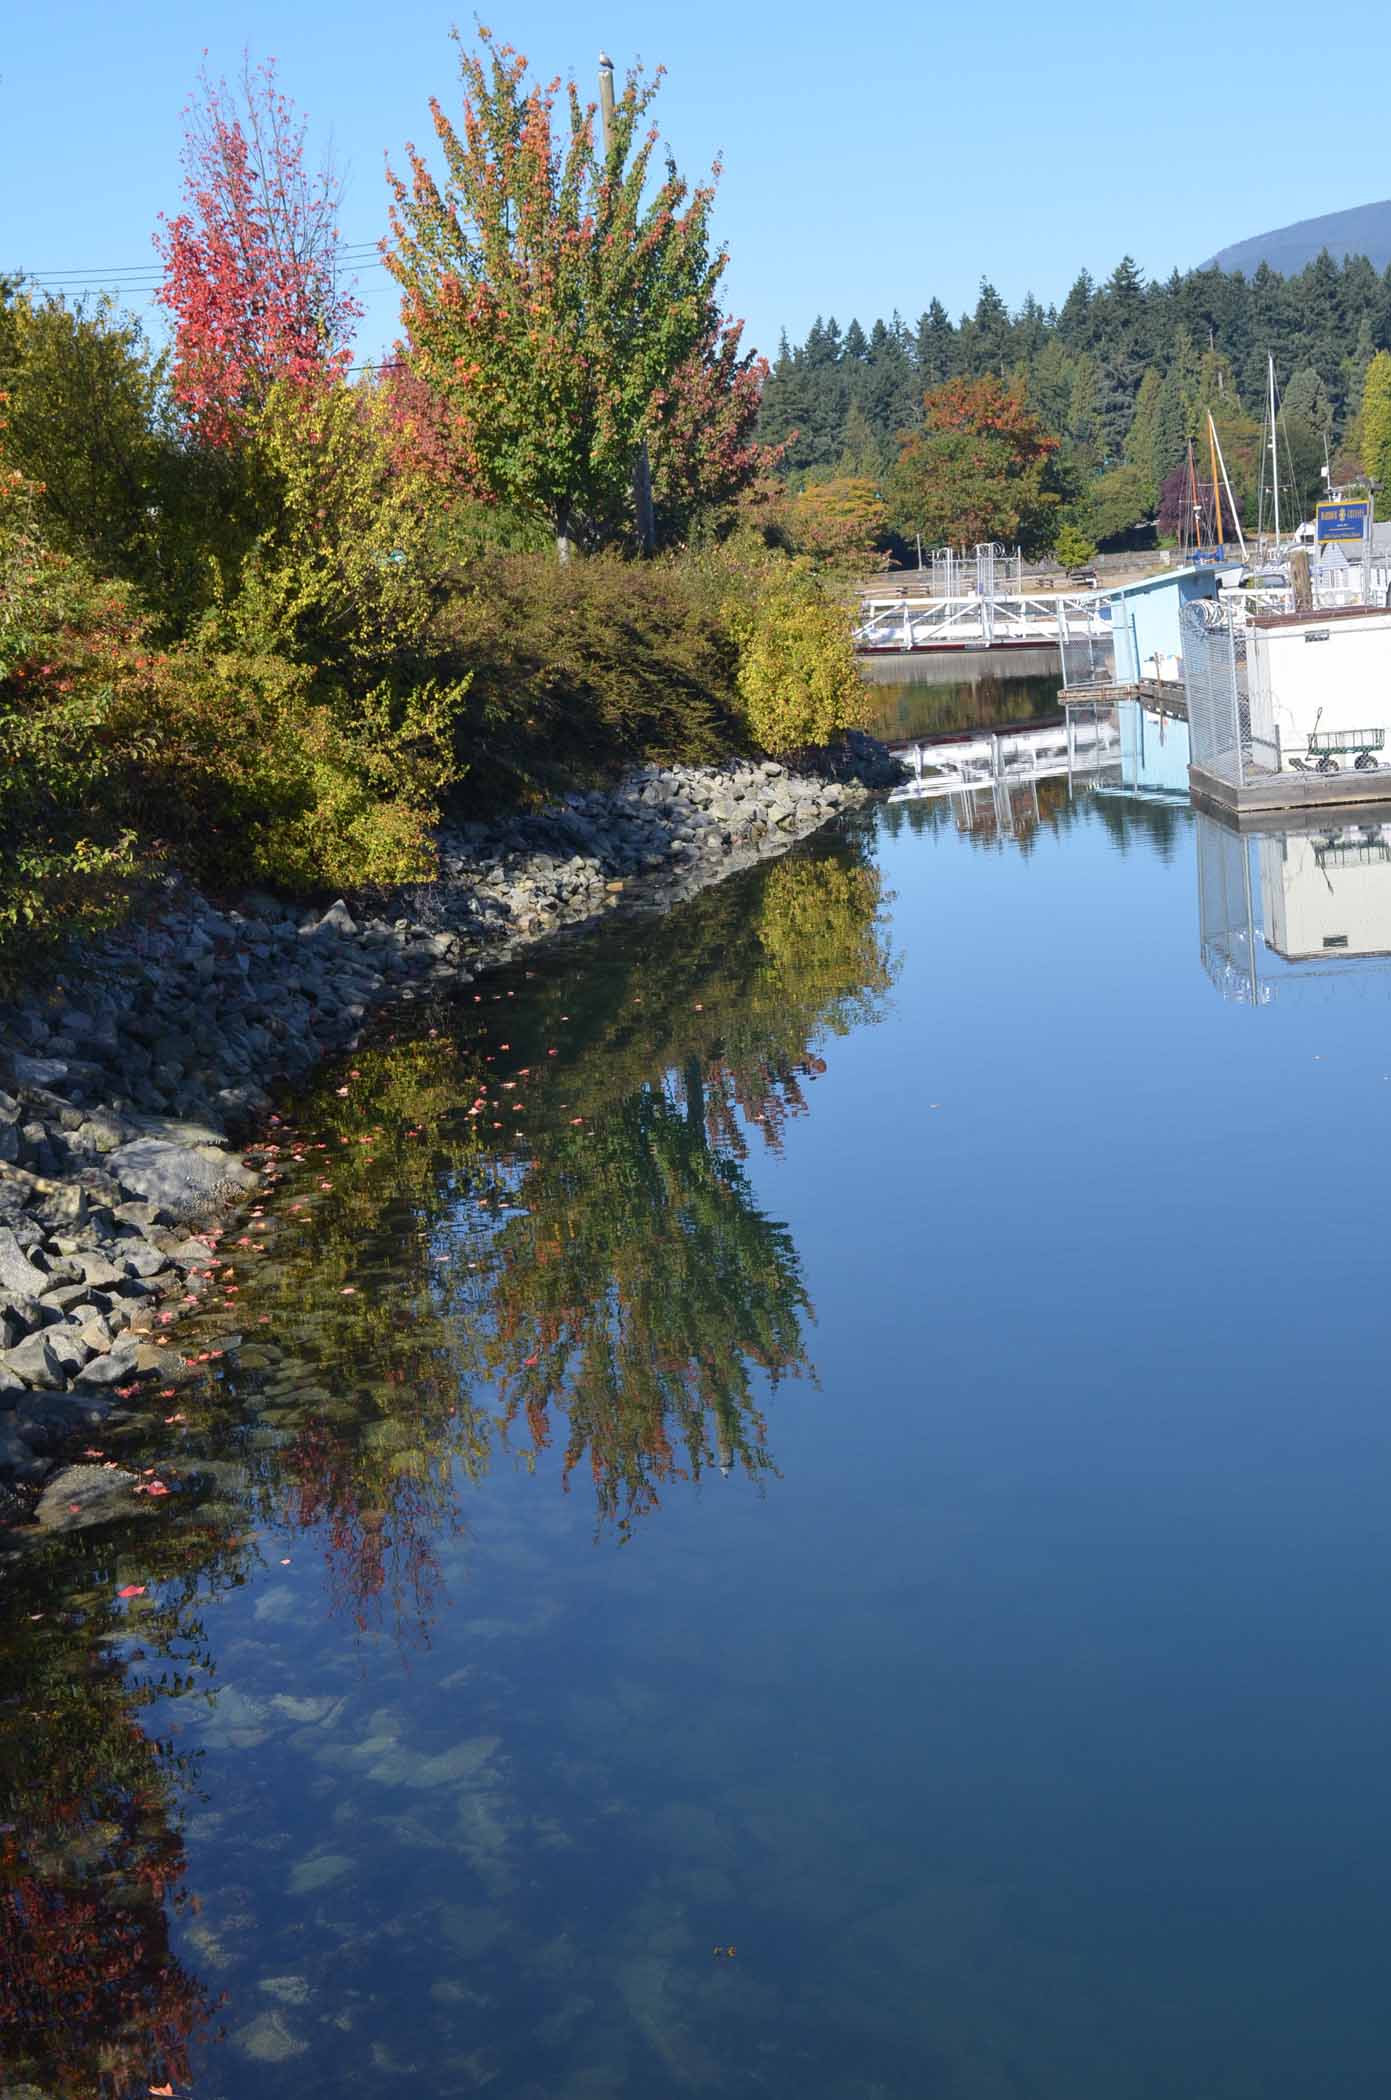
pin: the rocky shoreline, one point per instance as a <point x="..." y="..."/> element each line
<point x="126" y="1088"/>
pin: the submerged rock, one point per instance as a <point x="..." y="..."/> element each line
<point x="268" y="2039"/>
<point x="78" y="1496"/>
<point x="185" y="1181"/>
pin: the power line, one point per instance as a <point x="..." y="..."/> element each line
<point x="138" y="277"/>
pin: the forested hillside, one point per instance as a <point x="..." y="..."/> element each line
<point x="1119" y="376"/>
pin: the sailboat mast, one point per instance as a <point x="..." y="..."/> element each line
<point x="1218" y="535"/>
<point x="1231" y="500"/>
<point x="1274" y="455"/>
<point x="1192" y="507"/>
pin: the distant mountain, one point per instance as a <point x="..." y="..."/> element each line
<point x="1365" y="230"/>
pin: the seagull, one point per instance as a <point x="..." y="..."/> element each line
<point x="605" y="61"/>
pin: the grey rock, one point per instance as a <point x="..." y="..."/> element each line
<point x="100" y="1133"/>
<point x="64" y="1295"/>
<point x="18" y="1276"/>
<point x="35" y="1362"/>
<point x="38" y="1071"/>
<point x="191" y="1254"/>
<point x="97" y="1272"/>
<point x="337" y="919"/>
<point x="67" y="1345"/>
<point x="17" y="1457"/>
<point x="145" y="1261"/>
<point x="117" y="1368"/>
<point x="33" y="1313"/>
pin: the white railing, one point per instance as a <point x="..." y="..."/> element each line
<point x="969" y="621"/>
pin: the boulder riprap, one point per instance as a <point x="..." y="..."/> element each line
<point x="123" y="1089"/>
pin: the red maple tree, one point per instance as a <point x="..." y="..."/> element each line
<point x="251" y="263"/>
<point x="704" y="450"/>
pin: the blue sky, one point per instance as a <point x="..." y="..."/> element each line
<point x="870" y="160"/>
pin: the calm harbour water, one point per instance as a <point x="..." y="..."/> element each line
<point x="830" y="1541"/>
<point x="933" y="694"/>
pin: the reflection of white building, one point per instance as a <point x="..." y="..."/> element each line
<point x="1302" y="906"/>
<point x="1327" y="893"/>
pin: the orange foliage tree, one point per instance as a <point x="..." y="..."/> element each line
<point x="977" y="469"/>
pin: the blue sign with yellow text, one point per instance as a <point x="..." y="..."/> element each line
<point x="1343" y="521"/>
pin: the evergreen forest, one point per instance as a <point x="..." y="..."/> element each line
<point x="1115" y="381"/>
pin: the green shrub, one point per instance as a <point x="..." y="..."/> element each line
<point x="253" y="778"/>
<point x="586" y="665"/>
<point x="116" y="754"/>
<point x="65" y="855"/>
<point x="797" y="679"/>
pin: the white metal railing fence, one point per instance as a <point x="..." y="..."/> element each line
<point x="1226" y="740"/>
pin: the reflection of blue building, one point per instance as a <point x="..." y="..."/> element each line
<point x="1154" y="752"/>
<point x="1152" y="760"/>
<point x="1145" y="622"/>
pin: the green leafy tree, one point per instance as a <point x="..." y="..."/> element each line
<point x="1375" y="426"/>
<point x="1120" y="501"/>
<point x="1073" y="549"/>
<point x="550" y="294"/>
<point x="841" y="521"/>
<point x="1077" y="315"/>
<point x="976" y="470"/>
<point x="90" y="420"/>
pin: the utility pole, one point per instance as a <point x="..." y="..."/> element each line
<point x="642" y="467"/>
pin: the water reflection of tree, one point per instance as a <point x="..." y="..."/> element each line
<point x="93" y="2002"/>
<point x="638" y="1293"/>
<point x="388" y="1329"/>
<point x="643" y="1288"/>
<point x="601" y="1255"/>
